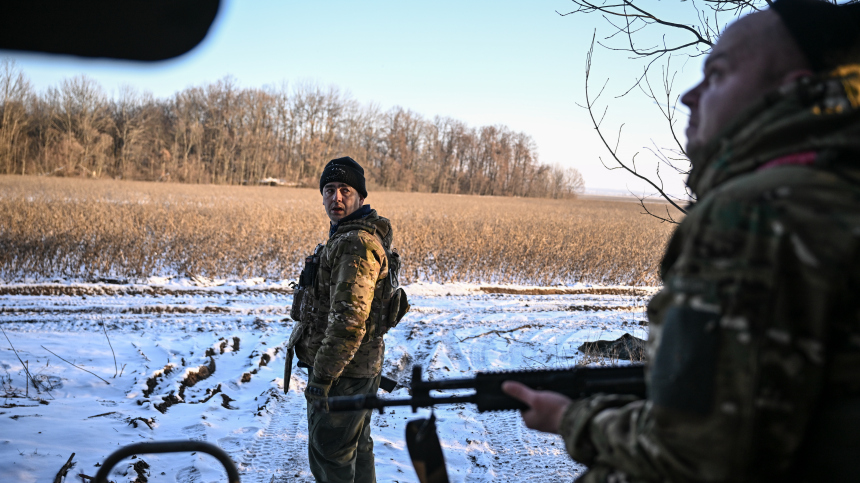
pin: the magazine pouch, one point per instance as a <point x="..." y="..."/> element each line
<point x="301" y="291"/>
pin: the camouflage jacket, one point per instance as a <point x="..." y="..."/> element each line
<point x="334" y="336"/>
<point x="754" y="344"/>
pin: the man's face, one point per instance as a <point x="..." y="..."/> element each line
<point x="737" y="73"/>
<point x="340" y="200"/>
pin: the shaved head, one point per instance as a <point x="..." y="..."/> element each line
<point x="754" y="56"/>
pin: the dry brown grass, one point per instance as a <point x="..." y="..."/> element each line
<point x="84" y="230"/>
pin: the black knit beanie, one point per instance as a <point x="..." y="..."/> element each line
<point x="828" y="34"/>
<point x="344" y="170"/>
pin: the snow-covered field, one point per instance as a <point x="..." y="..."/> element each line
<point x="203" y="361"/>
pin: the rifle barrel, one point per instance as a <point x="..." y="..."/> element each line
<point x="365" y="401"/>
<point x="488" y="396"/>
<point x="444" y="384"/>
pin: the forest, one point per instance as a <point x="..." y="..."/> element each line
<point x="222" y="133"/>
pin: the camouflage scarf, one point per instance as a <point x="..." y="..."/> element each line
<point x="816" y="115"/>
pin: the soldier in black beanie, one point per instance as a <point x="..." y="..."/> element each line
<point x="345" y="170"/>
<point x="827" y="34"/>
<point x="338" y="336"/>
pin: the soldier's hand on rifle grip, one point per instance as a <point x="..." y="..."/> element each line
<point x="317" y="394"/>
<point x="546" y="408"/>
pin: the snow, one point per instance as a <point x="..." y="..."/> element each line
<point x="160" y="332"/>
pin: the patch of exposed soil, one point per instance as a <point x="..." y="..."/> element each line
<point x="210" y="394"/>
<point x="54" y="289"/>
<point x="156" y="379"/>
<point x="140" y="468"/>
<point x="192" y="377"/>
<point x="176" y="309"/>
<point x="225" y="402"/>
<point x="167" y="401"/>
<point x="600" y="308"/>
<point x="265" y="359"/>
<point x="201" y="373"/>
<point x="273" y="397"/>
<point x="221" y="347"/>
<point x="53" y="310"/>
<point x="626" y="347"/>
<point x="147" y="421"/>
<point x="632" y="291"/>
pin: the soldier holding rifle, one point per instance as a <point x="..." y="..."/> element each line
<point x="754" y="346"/>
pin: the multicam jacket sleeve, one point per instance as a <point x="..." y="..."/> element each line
<point x="356" y="260"/>
<point x="755" y="322"/>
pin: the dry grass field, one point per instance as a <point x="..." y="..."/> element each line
<point x="83" y="230"/>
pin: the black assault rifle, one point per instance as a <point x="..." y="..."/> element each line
<point x="574" y="383"/>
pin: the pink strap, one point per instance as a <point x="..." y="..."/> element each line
<point x="804" y="158"/>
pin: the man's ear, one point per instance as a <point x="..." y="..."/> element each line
<point x="795" y="74"/>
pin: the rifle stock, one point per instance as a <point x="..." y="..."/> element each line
<point x="574" y="383"/>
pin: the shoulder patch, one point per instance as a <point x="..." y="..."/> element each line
<point x="683" y="372"/>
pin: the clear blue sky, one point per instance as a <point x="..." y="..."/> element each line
<point x="507" y="62"/>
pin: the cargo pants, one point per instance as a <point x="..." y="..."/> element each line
<point x="340" y="448"/>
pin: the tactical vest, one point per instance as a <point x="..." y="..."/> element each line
<point x="390" y="302"/>
<point x="302" y="289"/>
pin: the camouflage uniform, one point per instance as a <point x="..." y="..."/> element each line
<point x="754" y="346"/>
<point x="337" y="340"/>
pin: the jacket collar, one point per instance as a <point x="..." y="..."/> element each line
<point x="358" y="214"/>
<point x="371" y="222"/>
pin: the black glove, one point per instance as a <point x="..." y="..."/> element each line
<point x="317" y="394"/>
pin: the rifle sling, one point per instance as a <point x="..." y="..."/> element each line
<point x="425" y="450"/>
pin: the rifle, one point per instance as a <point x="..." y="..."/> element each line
<point x="576" y="382"/>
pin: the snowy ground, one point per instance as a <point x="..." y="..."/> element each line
<point x="168" y="338"/>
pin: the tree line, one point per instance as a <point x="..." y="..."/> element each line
<point x="225" y="134"/>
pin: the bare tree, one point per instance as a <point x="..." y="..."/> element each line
<point x="136" y="120"/>
<point x="82" y="116"/>
<point x="572" y="182"/>
<point x="14" y="93"/>
<point x="656" y="39"/>
<point x="186" y="115"/>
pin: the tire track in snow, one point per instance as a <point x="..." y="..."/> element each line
<point x="298" y="467"/>
<point x="279" y="451"/>
<point x="515" y="453"/>
<point x="506" y="450"/>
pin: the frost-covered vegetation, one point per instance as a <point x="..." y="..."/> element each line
<point x="79" y="230"/>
